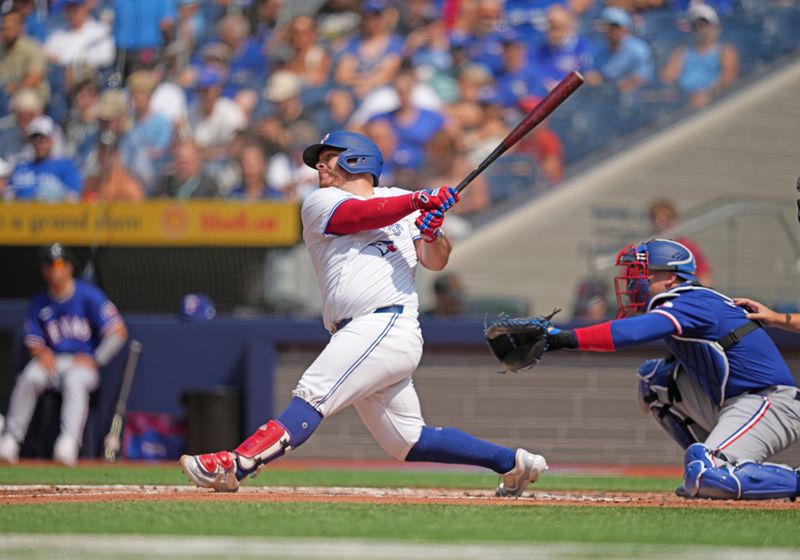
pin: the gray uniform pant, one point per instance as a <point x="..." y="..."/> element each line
<point x="751" y="426"/>
<point x="75" y="382"/>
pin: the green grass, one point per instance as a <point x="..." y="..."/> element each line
<point x="169" y="474"/>
<point x="467" y="523"/>
<point x="434" y="523"/>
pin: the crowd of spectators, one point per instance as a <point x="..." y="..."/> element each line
<point x="136" y="99"/>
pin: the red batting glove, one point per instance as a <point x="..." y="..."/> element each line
<point x="435" y="199"/>
<point x="429" y="223"/>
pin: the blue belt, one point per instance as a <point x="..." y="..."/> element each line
<point x="339" y="325"/>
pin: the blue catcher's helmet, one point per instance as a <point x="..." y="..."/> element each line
<point x="359" y="153"/>
<point x="640" y="261"/>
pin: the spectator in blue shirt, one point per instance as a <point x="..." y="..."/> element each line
<point x="626" y="61"/>
<point x="140" y="28"/>
<point x="483" y="40"/>
<point x="563" y="51"/>
<point x="372" y="59"/>
<point x="413" y="126"/>
<point x="518" y="79"/>
<point x="707" y="67"/>
<point x="45" y="178"/>
<point x="247" y="67"/>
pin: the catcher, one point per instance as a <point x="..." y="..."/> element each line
<point x="724" y="394"/>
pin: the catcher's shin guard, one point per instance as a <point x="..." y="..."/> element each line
<point x="744" y="481"/>
<point x="269" y="442"/>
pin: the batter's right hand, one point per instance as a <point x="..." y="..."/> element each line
<point x="435" y="199"/>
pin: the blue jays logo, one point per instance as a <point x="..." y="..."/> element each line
<point x="384" y="246"/>
<point x="324" y="138"/>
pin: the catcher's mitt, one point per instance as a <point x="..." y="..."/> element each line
<point x="519" y="342"/>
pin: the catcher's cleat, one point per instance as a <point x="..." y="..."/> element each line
<point x="212" y="470"/>
<point x="527" y="469"/>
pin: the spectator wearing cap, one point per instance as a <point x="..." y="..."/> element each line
<point x="113" y="119"/>
<point x="186" y="177"/>
<point x="372" y="59"/>
<point x="140" y="28"/>
<point x="214" y="119"/>
<point x="22" y="60"/>
<point x="625" y="60"/>
<point x="517" y="79"/>
<point x="563" y="49"/>
<point x="248" y="65"/>
<point x="113" y="181"/>
<point x="474" y="82"/>
<point x="84" y="42"/>
<point x="704" y="69"/>
<point x="45" y="178"/>
<point x="149" y="131"/>
<point x="26" y="105"/>
<point x="544" y="145"/>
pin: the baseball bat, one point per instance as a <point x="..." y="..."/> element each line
<point x="547" y="105"/>
<point x="112" y="442"/>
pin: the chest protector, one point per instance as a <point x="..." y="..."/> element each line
<point x="704" y="359"/>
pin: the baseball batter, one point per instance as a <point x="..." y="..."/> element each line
<point x="725" y="393"/>
<point x="365" y="242"/>
<point x="72" y="328"/>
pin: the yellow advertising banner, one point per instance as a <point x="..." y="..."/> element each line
<point x="152" y="223"/>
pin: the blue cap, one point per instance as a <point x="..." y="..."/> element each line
<point x="197" y="308"/>
<point x="617" y="16"/>
<point x="209" y="77"/>
<point x="374" y="6"/>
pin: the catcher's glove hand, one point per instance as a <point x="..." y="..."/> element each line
<point x="519" y="342"/>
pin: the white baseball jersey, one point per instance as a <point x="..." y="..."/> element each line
<point x="363" y="271"/>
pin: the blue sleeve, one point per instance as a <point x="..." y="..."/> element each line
<point x="395" y="45"/>
<point x="102" y="312"/>
<point x="638" y="330"/>
<point x="168" y="10"/>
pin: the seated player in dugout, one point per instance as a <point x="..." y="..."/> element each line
<point x="365" y="242"/>
<point x="71" y="331"/>
<point x="724" y="393"/>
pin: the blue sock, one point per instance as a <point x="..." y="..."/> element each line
<point x="449" y="445"/>
<point x="300" y="419"/>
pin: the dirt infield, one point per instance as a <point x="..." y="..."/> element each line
<point x="43" y="494"/>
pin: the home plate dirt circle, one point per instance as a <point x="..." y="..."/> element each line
<point x="37" y="494"/>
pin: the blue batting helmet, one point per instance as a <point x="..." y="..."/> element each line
<point x="359" y="153"/>
<point x="640" y="261"/>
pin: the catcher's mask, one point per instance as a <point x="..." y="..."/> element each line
<point x="639" y="262"/>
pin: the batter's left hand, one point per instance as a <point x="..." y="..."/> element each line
<point x="428" y="223"/>
<point x="435" y="199"/>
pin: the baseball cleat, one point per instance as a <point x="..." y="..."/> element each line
<point x="527" y="469"/>
<point x="9" y="450"/>
<point x="212" y="470"/>
<point x="65" y="451"/>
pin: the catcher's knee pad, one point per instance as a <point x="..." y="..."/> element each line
<point x="269" y="442"/>
<point x="744" y="481"/>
